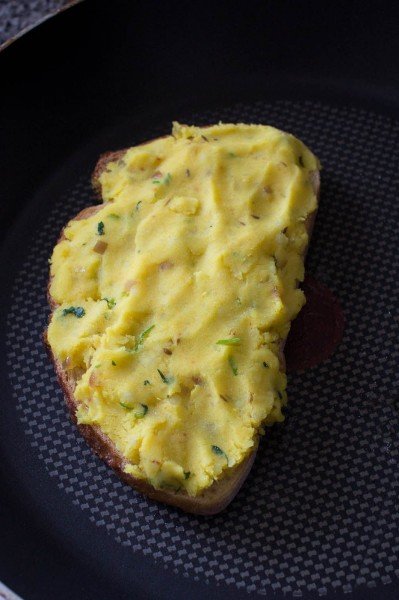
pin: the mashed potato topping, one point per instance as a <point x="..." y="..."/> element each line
<point x="175" y="297"/>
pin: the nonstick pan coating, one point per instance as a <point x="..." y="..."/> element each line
<point x="318" y="516"/>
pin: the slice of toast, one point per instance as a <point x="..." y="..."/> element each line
<point x="214" y="498"/>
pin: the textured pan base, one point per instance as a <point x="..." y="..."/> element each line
<point x="317" y="515"/>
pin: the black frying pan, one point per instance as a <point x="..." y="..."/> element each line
<point x="318" y="516"/>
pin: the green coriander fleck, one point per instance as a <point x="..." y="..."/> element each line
<point x="110" y="302"/>
<point x="219" y="452"/>
<point x="77" y="311"/>
<point x="141" y="338"/>
<point x="100" y="228"/>
<point x="234" y="341"/>
<point x="127" y="406"/>
<point x="164" y="378"/>
<point x="141" y="412"/>
<point x="233" y="365"/>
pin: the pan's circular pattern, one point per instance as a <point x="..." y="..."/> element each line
<point x="319" y="510"/>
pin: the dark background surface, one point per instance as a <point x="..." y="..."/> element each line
<point x="98" y="60"/>
<point x="95" y="66"/>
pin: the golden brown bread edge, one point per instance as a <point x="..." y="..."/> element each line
<point x="215" y="498"/>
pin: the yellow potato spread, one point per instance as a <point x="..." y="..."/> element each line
<point x="174" y="298"/>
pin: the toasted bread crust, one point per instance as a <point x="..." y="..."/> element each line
<point x="210" y="502"/>
<point x="215" y="498"/>
<point x="101" y="165"/>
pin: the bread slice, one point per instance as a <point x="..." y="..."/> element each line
<point x="213" y="499"/>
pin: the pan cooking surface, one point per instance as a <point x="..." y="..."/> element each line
<point x="319" y="511"/>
